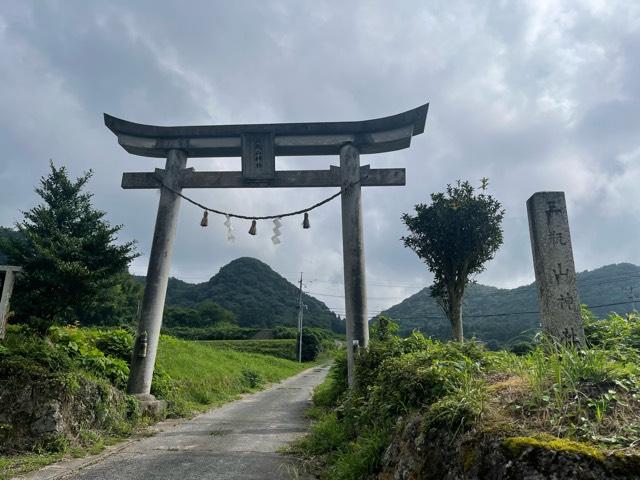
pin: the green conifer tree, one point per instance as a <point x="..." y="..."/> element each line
<point x="69" y="255"/>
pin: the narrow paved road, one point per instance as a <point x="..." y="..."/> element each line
<point x="236" y="441"/>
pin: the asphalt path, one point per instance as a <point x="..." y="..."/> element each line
<point x="239" y="440"/>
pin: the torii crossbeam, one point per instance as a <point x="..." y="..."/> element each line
<point x="258" y="145"/>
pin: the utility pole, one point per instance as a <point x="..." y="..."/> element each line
<point x="629" y="292"/>
<point x="300" y="314"/>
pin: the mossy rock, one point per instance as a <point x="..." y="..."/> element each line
<point x="516" y="446"/>
<point x="621" y="465"/>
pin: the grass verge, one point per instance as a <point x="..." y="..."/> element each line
<point x="205" y="374"/>
<point x="576" y="400"/>
<point x="192" y="376"/>
<point x="281" y="348"/>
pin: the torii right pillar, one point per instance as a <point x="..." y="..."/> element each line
<point x="355" y="291"/>
<point x="555" y="271"/>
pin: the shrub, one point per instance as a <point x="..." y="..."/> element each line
<point x="314" y="341"/>
<point x="162" y="384"/>
<point x="362" y="458"/>
<point x="327" y="435"/>
<point x="116" y="343"/>
<point x="285" y="332"/>
<point x="252" y="378"/>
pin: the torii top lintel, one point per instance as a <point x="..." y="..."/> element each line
<point x="321" y="138"/>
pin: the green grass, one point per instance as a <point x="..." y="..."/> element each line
<point x="13" y="465"/>
<point x="205" y="375"/>
<point x="191" y="375"/>
<point x="282" y="348"/>
<point x="557" y="397"/>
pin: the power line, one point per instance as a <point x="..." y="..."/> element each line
<point x="368" y="284"/>
<point x="431" y="317"/>
<point x="342" y="296"/>
<point x="504" y="291"/>
<point x="482" y="295"/>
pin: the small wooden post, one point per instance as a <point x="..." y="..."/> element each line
<point x="155" y="290"/>
<point x="7" y="289"/>
<point x="353" y="256"/>
<point x="554" y="267"/>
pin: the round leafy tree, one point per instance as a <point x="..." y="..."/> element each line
<point x="68" y="253"/>
<point x="455" y="236"/>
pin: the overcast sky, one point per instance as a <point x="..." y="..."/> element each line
<point x="537" y="95"/>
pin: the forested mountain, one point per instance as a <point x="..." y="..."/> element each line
<point x="503" y="315"/>
<point x="257" y="295"/>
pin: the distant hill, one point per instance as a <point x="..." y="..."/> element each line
<point x="257" y="295"/>
<point x="495" y="315"/>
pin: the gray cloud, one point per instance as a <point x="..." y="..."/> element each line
<point x="535" y="95"/>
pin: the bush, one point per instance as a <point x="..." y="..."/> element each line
<point x="252" y="378"/>
<point x="314" y="342"/>
<point x="588" y="394"/>
<point x="285" y="332"/>
<point x="116" y="343"/>
<point x="27" y="356"/>
<point x="329" y="392"/>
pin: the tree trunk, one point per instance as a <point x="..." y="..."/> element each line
<point x="455" y="317"/>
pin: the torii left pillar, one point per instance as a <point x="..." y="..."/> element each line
<point x="155" y="290"/>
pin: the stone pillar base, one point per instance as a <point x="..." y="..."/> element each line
<point x="150" y="405"/>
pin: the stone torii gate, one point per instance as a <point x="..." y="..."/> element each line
<point x="258" y="145"/>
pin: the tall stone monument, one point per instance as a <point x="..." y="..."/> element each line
<point x="554" y="267"/>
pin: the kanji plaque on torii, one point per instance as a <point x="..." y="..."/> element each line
<point x="258" y="145"/>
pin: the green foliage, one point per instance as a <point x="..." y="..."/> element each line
<point x="162" y="385"/>
<point x="617" y="332"/>
<point x="217" y="332"/>
<point x="327" y="435"/>
<point x="204" y="314"/>
<point x="278" y="348"/>
<point x="314" y="342"/>
<point x="203" y="374"/>
<point x="117" y="306"/>
<point x="327" y="394"/>
<point x="362" y="457"/>
<point x="28" y="357"/>
<point x="69" y="256"/>
<point x="14" y="465"/>
<point x="192" y="376"/>
<point x="462" y="407"/>
<point x="117" y="343"/>
<point x="285" y="332"/>
<point x="80" y="346"/>
<point x="588" y="397"/>
<point x="384" y="329"/>
<point x="455" y="236"/>
<point x="7" y="235"/>
<point x="252" y="378"/>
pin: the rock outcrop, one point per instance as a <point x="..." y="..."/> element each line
<point x="43" y="412"/>
<point x="439" y="455"/>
